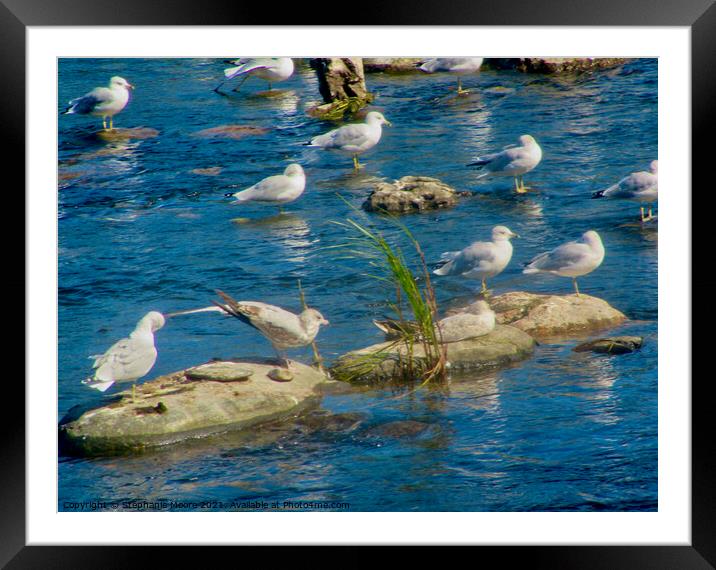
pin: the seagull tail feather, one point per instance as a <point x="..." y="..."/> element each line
<point x="101" y="385"/>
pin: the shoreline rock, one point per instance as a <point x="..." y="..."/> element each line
<point x="611" y="345"/>
<point x="553" y="316"/>
<point x="555" y="64"/>
<point x="176" y="407"/>
<point x="412" y="194"/>
<point x="503" y="346"/>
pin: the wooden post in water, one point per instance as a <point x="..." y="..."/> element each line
<point x="341" y="82"/>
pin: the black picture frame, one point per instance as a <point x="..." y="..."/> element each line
<point x="699" y="15"/>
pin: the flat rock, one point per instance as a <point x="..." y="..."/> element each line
<point x="174" y="407"/>
<point x="503" y="346"/>
<point x="392" y="64"/>
<point x="126" y="134"/>
<point x="555" y="64"/>
<point x="611" y="345"/>
<point x="231" y="131"/>
<point x="411" y="194"/>
<point x="219" y="372"/>
<point x="547" y="316"/>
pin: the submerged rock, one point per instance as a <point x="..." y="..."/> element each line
<point x="398" y="429"/>
<point x="210" y="171"/>
<point x="503" y="346"/>
<point x="612" y="345"/>
<point x="555" y="64"/>
<point x="392" y="64"/>
<point x="126" y="134"/>
<point x="544" y="316"/>
<point x="231" y="131"/>
<point x="175" y="407"/>
<point x="412" y="194"/>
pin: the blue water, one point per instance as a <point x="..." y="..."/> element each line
<point x="139" y="231"/>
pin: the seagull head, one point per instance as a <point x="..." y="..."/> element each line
<point x="526" y="140"/>
<point x="314" y="317"/>
<point x="503" y="233"/>
<point x="376" y="117"/>
<point x="153" y="320"/>
<point x="293" y="170"/>
<point x="118" y="81"/>
<point x="592" y="238"/>
<point x="654" y="166"/>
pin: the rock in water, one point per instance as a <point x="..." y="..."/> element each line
<point x="114" y="135"/>
<point x="173" y="408"/>
<point x="503" y="346"/>
<point x="555" y="64"/>
<point x="612" y="345"/>
<point x="412" y="194"/>
<point x="545" y="316"/>
<point x="392" y="64"/>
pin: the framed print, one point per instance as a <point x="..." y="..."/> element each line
<point x="392" y="282"/>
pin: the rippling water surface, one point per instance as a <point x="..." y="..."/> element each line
<point x="138" y="230"/>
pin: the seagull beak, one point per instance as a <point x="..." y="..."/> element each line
<point x="325" y="322"/>
<point x="515" y="235"/>
<point x="387" y="122"/>
<point x="130" y="85"/>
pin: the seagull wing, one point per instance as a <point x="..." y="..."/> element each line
<point x="348" y="137"/>
<point x="269" y="189"/>
<point x="560" y="258"/>
<point x="470" y="258"/>
<point x="90" y="101"/>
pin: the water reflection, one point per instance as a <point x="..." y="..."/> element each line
<point x="289" y="231"/>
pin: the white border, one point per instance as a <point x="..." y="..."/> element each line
<point x="670" y="525"/>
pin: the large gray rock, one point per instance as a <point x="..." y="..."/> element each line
<point x="555" y="64"/>
<point x="547" y="316"/>
<point x="503" y="346"/>
<point x="412" y="194"/>
<point x="175" y="407"/>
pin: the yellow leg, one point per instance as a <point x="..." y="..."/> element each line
<point x="576" y="288"/>
<point x="134" y="392"/>
<point x="104" y="123"/>
<point x="357" y="165"/>
<point x="643" y="219"/>
<point x="484" y="286"/>
<point x="111" y="123"/>
<point x="520" y="188"/>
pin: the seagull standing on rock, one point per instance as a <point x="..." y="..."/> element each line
<point x="515" y="161"/>
<point x="277" y="190"/>
<point x="102" y="101"/>
<point x="354" y="139"/>
<point x="459" y="65"/>
<point x="282" y="328"/>
<point x="482" y="259"/>
<point x="638" y="186"/>
<point x="271" y="69"/>
<point x="572" y="259"/>
<point x="130" y="358"/>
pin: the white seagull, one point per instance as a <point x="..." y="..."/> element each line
<point x="515" y="161"/>
<point x="271" y="69"/>
<point x="482" y="259"/>
<point x="641" y="187"/>
<point x="102" y="101"/>
<point x="130" y="358"/>
<point x="278" y="190"/>
<point x="354" y="139"/>
<point x="282" y="328"/>
<point x="572" y="259"/>
<point x="459" y="65"/>
<point x="479" y="321"/>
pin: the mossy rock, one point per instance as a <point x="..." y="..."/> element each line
<point x="379" y="362"/>
<point x="554" y="316"/>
